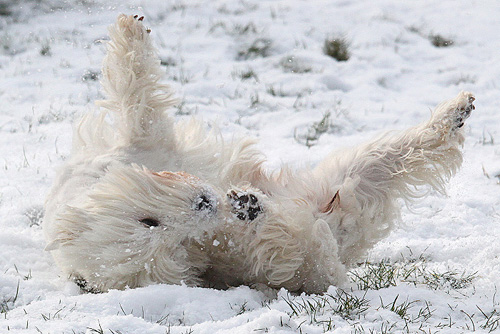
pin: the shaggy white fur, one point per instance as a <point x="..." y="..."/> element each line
<point x="143" y="200"/>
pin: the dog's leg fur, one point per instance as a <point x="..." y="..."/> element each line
<point x="392" y="166"/>
<point x="138" y="101"/>
<point x="131" y="75"/>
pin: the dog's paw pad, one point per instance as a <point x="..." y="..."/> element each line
<point x="244" y="205"/>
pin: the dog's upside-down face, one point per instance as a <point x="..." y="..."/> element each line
<point x="144" y="200"/>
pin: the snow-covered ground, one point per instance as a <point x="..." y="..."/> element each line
<point x="444" y="255"/>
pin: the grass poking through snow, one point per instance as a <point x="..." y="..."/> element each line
<point x="337" y="48"/>
<point x="260" y="47"/>
<point x="414" y="314"/>
<point x="384" y="274"/>
<point x="440" y="41"/>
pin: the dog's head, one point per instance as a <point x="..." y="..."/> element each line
<point x="128" y="229"/>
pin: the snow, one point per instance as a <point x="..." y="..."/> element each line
<point x="50" y="55"/>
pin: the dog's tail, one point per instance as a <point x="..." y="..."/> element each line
<point x="131" y="75"/>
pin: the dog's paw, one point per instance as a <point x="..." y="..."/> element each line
<point x="141" y="18"/>
<point x="131" y="27"/>
<point x="245" y="205"/>
<point x="463" y="110"/>
<point x="450" y="116"/>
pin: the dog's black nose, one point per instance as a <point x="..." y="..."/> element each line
<point x="205" y="203"/>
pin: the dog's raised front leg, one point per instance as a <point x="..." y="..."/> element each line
<point x="131" y="75"/>
<point x="393" y="166"/>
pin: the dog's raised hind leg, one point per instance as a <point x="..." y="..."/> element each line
<point x="131" y="82"/>
<point x="365" y="181"/>
<point x="391" y="165"/>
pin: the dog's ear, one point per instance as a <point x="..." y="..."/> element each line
<point x="345" y="197"/>
<point x="334" y="203"/>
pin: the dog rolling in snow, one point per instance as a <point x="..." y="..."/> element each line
<point x="142" y="200"/>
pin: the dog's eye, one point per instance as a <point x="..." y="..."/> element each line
<point x="150" y="222"/>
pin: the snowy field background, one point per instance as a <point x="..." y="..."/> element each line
<point x="258" y="68"/>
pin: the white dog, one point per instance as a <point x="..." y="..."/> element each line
<point x="143" y="200"/>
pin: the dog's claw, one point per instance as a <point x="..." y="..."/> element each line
<point x="244" y="205"/>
